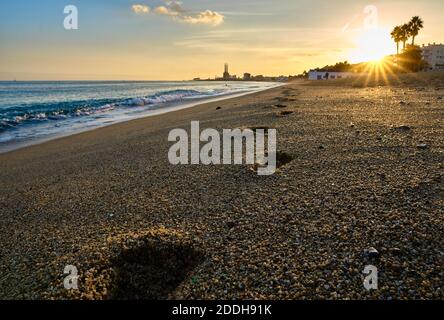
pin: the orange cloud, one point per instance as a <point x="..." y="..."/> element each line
<point x="175" y="10"/>
<point x="205" y="17"/>
<point x="140" y="9"/>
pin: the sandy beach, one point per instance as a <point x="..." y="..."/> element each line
<point x="366" y="172"/>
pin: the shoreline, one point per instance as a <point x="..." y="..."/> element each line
<point x="109" y="202"/>
<point x="166" y="108"/>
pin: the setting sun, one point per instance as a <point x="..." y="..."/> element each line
<point x="372" y="45"/>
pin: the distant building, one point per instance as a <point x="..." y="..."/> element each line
<point x="226" y="75"/>
<point x="282" y="78"/>
<point x="246" y="77"/>
<point x="433" y="54"/>
<point x="327" y="75"/>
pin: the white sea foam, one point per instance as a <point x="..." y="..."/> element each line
<point x="39" y="111"/>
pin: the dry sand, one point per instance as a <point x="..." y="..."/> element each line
<point x="367" y="171"/>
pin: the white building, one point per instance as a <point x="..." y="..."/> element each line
<point x="433" y="54"/>
<point x="327" y="75"/>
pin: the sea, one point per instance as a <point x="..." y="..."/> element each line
<point x="33" y="112"/>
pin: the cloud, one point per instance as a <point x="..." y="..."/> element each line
<point x="140" y="9"/>
<point x="205" y="17"/>
<point x="162" y="10"/>
<point x="166" y="11"/>
<point x="271" y="43"/>
<point x="176" y="11"/>
<point x="175" y="6"/>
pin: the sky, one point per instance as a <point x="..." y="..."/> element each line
<point x="179" y="40"/>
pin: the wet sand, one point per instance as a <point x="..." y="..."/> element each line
<point x="366" y="172"/>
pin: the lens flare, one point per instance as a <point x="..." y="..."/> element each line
<point x="372" y="45"/>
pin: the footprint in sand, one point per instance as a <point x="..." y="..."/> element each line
<point x="282" y="159"/>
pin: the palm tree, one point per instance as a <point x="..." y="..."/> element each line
<point x="397" y="36"/>
<point x="415" y="25"/>
<point x="405" y="34"/>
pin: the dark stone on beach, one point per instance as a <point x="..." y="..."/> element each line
<point x="402" y="128"/>
<point x="218" y="108"/>
<point x="280" y="106"/>
<point x="396" y="267"/>
<point x="231" y="224"/>
<point x="439" y="98"/>
<point x="285" y="113"/>
<point x="371" y="253"/>
<point x="321" y="147"/>
<point x="423" y="146"/>
<point x="352" y="125"/>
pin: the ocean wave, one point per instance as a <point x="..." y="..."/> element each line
<point x="164" y="97"/>
<point x="26" y="114"/>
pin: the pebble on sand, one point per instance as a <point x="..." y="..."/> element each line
<point x="371" y="252"/>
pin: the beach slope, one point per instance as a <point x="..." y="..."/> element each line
<point x="364" y="187"/>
